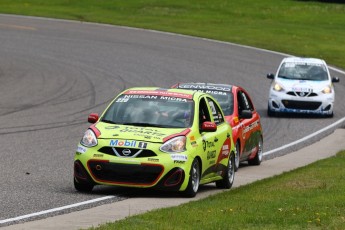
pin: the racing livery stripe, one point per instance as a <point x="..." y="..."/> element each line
<point x="160" y="93"/>
<point x="183" y="133"/>
<point x="95" y="130"/>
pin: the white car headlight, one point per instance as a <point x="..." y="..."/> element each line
<point x="327" y="90"/>
<point x="277" y="87"/>
<point x="175" y="145"/>
<point x="89" y="139"/>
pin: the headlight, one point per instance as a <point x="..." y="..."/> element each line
<point x="175" y="145"/>
<point x="327" y="90"/>
<point x="89" y="139"/>
<point x="277" y="87"/>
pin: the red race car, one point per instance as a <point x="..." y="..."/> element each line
<point x="240" y="113"/>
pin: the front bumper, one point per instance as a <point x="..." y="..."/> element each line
<point x="161" y="172"/>
<point x="284" y="103"/>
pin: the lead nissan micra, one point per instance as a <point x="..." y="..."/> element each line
<point x="167" y="139"/>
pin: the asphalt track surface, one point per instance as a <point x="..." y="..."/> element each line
<point x="53" y="73"/>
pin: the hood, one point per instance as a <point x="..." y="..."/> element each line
<point x="129" y="132"/>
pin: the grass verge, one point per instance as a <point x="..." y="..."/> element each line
<point x="311" y="197"/>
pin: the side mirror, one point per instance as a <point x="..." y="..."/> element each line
<point x="246" y="114"/>
<point x="270" y="76"/>
<point x="93" y="118"/>
<point x="335" y="79"/>
<point x="208" y="126"/>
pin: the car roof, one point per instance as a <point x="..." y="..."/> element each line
<point x="204" y="86"/>
<point x="305" y="60"/>
<point x="172" y="92"/>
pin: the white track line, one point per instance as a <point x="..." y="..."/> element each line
<point x="305" y="138"/>
<point x="55" y="209"/>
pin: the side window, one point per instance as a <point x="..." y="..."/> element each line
<point x="203" y="112"/>
<point x="216" y="112"/>
<point x="248" y="102"/>
<point x="243" y="102"/>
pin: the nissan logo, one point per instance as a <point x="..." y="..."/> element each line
<point x="126" y="152"/>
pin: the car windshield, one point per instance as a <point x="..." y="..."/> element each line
<point x="225" y="100"/>
<point x="148" y="110"/>
<point x="303" y="71"/>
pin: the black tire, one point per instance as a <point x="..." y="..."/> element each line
<point x="258" y="157"/>
<point x="194" y="180"/>
<point x="237" y="157"/>
<point x="270" y="113"/>
<point x="330" y="115"/>
<point x="229" y="176"/>
<point x="82" y="187"/>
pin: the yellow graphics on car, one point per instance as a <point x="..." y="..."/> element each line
<point x="166" y="139"/>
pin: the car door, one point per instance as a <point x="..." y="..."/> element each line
<point x="215" y="144"/>
<point x="249" y="126"/>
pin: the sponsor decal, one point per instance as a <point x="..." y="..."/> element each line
<point x="158" y="93"/>
<point x="207" y="144"/>
<point x="97" y="155"/>
<point x="214" y="112"/>
<point x="178" y="162"/>
<point x="236" y="119"/>
<point x="205" y="87"/>
<point x="143" y="132"/>
<point x="211" y="154"/>
<point x="193" y="141"/>
<point x="152" y="159"/>
<point x="81" y="149"/>
<point x="251" y="126"/>
<point x="215" y="92"/>
<point x="127" y="143"/>
<point x="122" y="143"/>
<point x="179" y="157"/>
<point x="302" y="89"/>
<point x="142" y="145"/>
<point x="208" y="125"/>
<point x="173" y="99"/>
<point x="293" y="64"/>
<point x="225" y="150"/>
<point x="194" y="144"/>
<point x="122" y="99"/>
<point x="140" y="96"/>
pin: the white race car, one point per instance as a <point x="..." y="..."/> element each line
<point x="301" y="85"/>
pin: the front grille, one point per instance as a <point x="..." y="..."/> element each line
<point x="301" y="94"/>
<point x="143" y="174"/>
<point x="127" y="152"/>
<point x="306" y="105"/>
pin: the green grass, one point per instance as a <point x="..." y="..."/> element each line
<point x="310" y="197"/>
<point x="303" y="28"/>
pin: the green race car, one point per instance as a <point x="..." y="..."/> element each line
<point x="167" y="139"/>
